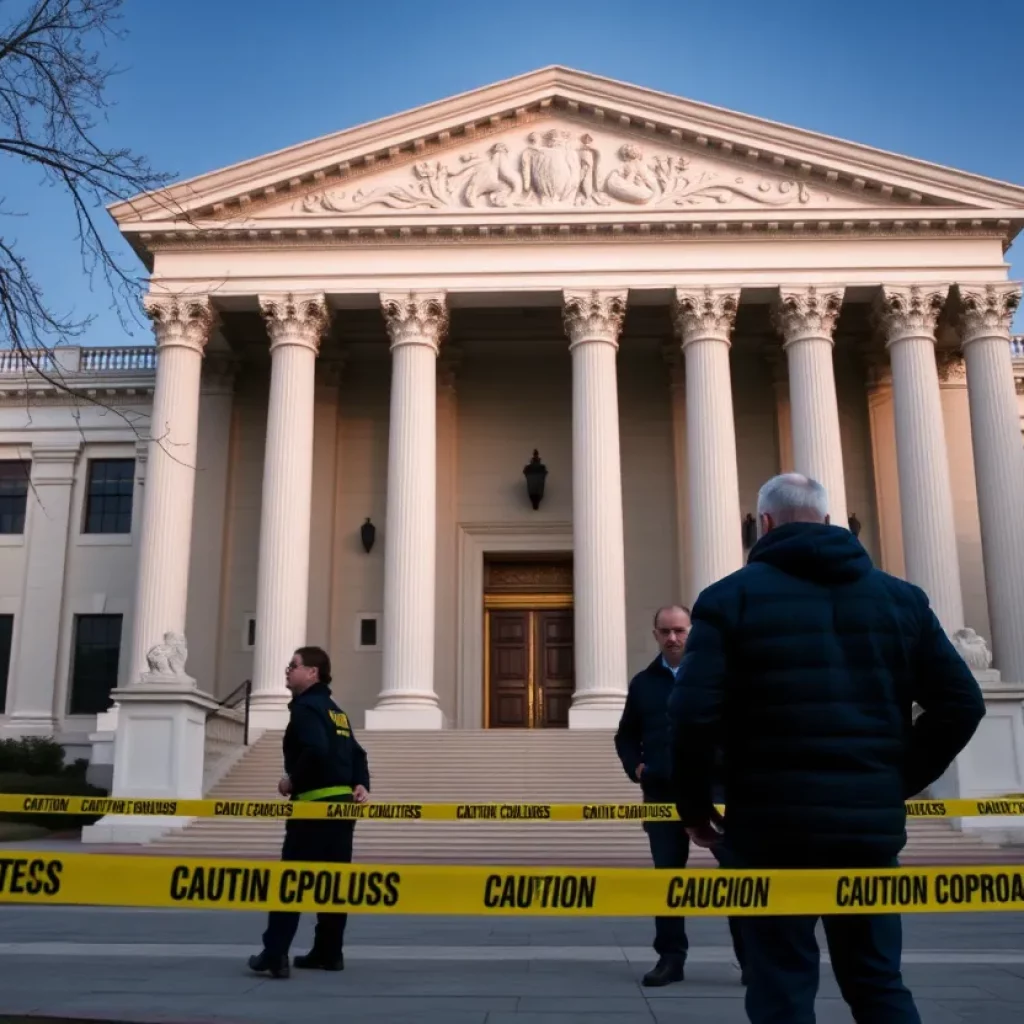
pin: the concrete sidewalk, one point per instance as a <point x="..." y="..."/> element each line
<point x="189" y="966"/>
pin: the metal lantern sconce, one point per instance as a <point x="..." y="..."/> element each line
<point x="535" y="472"/>
<point x="367" y="534"/>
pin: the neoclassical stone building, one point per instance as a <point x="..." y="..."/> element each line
<point x="466" y="393"/>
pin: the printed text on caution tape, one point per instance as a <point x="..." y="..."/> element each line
<point x="146" y="881"/>
<point x="499" y="812"/>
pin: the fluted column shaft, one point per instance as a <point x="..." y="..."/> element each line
<point x="416" y="324"/>
<point x="182" y="326"/>
<point x="807" y="319"/>
<point x="593" y="321"/>
<point x="995" y="435"/>
<point x="908" y="316"/>
<point x="704" y="320"/>
<point x="295" y="324"/>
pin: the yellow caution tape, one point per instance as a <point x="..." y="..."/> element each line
<point x="143" y="881"/>
<point x="500" y="812"/>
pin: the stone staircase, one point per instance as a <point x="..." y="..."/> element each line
<point x="467" y="766"/>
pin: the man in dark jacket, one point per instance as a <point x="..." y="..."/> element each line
<point x="643" y="743"/>
<point x="323" y="762"/>
<point x="804" y="666"/>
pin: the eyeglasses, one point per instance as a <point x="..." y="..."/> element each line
<point x="291" y="666"/>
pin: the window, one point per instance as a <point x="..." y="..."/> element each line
<point x="368" y="631"/>
<point x="108" y="500"/>
<point x="248" y="632"/>
<point x="14" y="476"/>
<point x="6" y="632"/>
<point x="94" y="662"/>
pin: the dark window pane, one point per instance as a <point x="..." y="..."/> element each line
<point x="14" y="476"/>
<point x="94" y="668"/>
<point x="108" y="501"/>
<point x="367" y="632"/>
<point x="6" y="632"/>
<point x="251" y="635"/>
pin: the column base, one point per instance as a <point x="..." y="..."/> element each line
<point x="25" y="724"/>
<point x="400" y="716"/>
<point x="129" y="830"/>
<point x="268" y="712"/>
<point x="596" y="710"/>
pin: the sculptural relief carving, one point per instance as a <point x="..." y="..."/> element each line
<point x="168" y="659"/>
<point x="973" y="649"/>
<point x="558" y="168"/>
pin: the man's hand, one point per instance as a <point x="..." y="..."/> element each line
<point x="360" y="795"/>
<point x="284" y="787"/>
<point x="639" y="771"/>
<point x="705" y="836"/>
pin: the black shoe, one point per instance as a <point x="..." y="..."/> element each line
<point x="667" y="970"/>
<point x="275" y="966"/>
<point x="316" y="961"/>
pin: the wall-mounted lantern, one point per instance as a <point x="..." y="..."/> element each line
<point x="367" y="534"/>
<point x="535" y="472"/>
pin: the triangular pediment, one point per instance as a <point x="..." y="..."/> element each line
<point x="559" y="141"/>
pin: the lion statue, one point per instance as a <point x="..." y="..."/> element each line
<point x="168" y="658"/>
<point x="973" y="649"/>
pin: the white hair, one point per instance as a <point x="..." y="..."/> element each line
<point x="793" y="498"/>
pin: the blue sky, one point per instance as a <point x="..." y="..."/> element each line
<point x="206" y="84"/>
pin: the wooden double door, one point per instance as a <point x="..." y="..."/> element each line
<point x="530" y="667"/>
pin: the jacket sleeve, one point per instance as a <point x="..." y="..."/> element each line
<point x="695" y="710"/>
<point x="629" y="735"/>
<point x="314" y="749"/>
<point x="360" y="765"/>
<point x="951" y="702"/>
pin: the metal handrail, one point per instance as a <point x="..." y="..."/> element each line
<point x="242" y="692"/>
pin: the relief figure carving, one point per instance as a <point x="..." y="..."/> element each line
<point x="557" y="168"/>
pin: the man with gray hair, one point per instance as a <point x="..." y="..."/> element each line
<point x="804" y="667"/>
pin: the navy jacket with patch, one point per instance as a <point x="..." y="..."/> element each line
<point x="804" y="667"/>
<point x="319" y="748"/>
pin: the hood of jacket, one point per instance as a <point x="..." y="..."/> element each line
<point x="827" y="555"/>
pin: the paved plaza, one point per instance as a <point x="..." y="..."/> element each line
<point x="189" y="967"/>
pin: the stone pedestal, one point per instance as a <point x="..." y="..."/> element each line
<point x="158" y="754"/>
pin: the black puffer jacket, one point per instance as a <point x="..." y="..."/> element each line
<point x="804" y="666"/>
<point x="643" y="736"/>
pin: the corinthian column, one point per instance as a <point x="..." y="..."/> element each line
<point x="182" y="325"/>
<point x="908" y="316"/>
<point x="704" y="319"/>
<point x="807" y="318"/>
<point x="295" y="323"/>
<point x="593" y="321"/>
<point x="416" y="324"/>
<point x="995" y="433"/>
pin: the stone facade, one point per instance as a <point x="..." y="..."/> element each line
<point x="669" y="303"/>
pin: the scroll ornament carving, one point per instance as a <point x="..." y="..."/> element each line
<point x="180" y="320"/>
<point x="558" y="168"/>
<point x="705" y="313"/>
<point x="910" y="312"/>
<point x="973" y="649"/>
<point x="293" y="319"/>
<point x="415" y="318"/>
<point x="808" y="313"/>
<point x="951" y="366"/>
<point x="593" y="316"/>
<point x="988" y="311"/>
<point x="167" y="660"/>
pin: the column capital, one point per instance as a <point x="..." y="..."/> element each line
<point x="802" y="314"/>
<point x="295" y="318"/>
<point x="415" y="318"/>
<point x="909" y="311"/>
<point x="593" y="316"/>
<point x="702" y="314"/>
<point x="180" y="321"/>
<point x="987" y="311"/>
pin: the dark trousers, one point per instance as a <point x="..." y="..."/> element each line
<point x="670" y="848"/>
<point x="312" y="840"/>
<point x="782" y="968"/>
